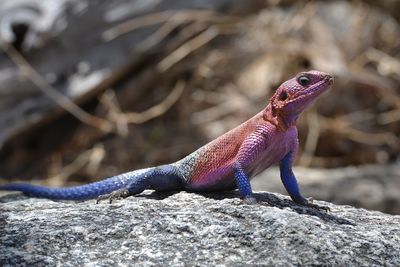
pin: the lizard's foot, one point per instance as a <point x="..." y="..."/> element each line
<point x="309" y="203"/>
<point x="115" y="195"/>
<point x="250" y="200"/>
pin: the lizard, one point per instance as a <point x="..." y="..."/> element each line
<point x="228" y="162"/>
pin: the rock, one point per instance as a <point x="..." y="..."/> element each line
<point x="187" y="229"/>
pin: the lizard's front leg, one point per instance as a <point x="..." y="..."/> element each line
<point x="249" y="152"/>
<point x="289" y="181"/>
<point x="243" y="184"/>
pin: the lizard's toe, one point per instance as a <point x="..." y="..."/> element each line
<point x="317" y="207"/>
<point x="308" y="202"/>
<point x="115" y="195"/>
<point x="250" y="200"/>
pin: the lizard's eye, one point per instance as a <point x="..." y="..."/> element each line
<point x="283" y="96"/>
<point x="303" y="80"/>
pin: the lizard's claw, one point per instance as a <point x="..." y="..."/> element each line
<point x="250" y="200"/>
<point x="309" y="203"/>
<point x="317" y="207"/>
<point x="115" y="195"/>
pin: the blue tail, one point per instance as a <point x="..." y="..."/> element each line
<point x="160" y="178"/>
<point x="83" y="192"/>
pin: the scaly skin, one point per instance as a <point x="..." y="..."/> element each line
<point x="228" y="162"/>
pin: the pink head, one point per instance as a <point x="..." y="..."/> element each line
<point x="295" y="95"/>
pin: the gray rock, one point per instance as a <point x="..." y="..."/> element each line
<point x="187" y="229"/>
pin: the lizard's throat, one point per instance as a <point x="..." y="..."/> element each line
<point x="278" y="118"/>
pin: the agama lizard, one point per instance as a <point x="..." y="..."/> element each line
<point x="226" y="163"/>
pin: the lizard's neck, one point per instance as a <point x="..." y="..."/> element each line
<point x="277" y="118"/>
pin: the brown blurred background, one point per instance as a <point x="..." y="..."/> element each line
<point x="90" y="89"/>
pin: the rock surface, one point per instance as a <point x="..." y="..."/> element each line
<point x="187" y="229"/>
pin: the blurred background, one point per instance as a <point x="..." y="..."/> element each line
<point x="90" y="89"/>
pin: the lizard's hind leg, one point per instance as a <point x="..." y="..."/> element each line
<point x="166" y="178"/>
<point x="162" y="178"/>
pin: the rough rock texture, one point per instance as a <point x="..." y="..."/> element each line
<point x="187" y="229"/>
